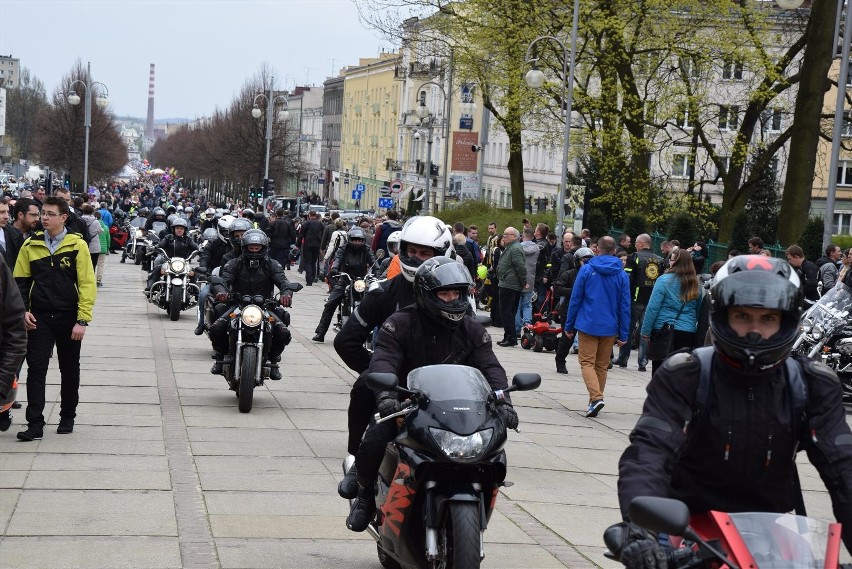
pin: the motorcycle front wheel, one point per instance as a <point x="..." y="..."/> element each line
<point x="248" y="367"/>
<point x="458" y="538"/>
<point x="175" y="303"/>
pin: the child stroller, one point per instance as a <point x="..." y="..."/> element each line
<point x="543" y="332"/>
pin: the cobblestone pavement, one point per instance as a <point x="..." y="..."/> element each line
<point x="162" y="471"/>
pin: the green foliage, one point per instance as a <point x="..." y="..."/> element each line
<point x="597" y="223"/>
<point x="682" y="227"/>
<point x="669" y="206"/>
<point x="480" y="213"/>
<point x="845" y="241"/>
<point x="741" y="234"/>
<point x="413" y="207"/>
<point x="764" y="204"/>
<point x="811" y="239"/>
<point x="635" y="224"/>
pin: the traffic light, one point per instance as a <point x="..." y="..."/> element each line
<point x="268" y="187"/>
<point x="67" y="182"/>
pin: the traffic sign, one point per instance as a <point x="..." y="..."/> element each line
<point x="386" y="203"/>
<point x="356" y="195"/>
<point x="360" y="188"/>
<point x="346" y="181"/>
<point x="385" y="191"/>
<point x="396" y="186"/>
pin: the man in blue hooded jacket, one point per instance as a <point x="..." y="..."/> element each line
<point x="599" y="312"/>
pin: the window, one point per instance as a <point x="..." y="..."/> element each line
<point x="771" y="120"/>
<point x="680" y="166"/>
<point x="689" y="66"/>
<point x="844" y="173"/>
<point x="682" y="117"/>
<point x="846" y="127"/>
<point x="732" y="69"/>
<point x="841" y="223"/>
<point x="729" y="117"/>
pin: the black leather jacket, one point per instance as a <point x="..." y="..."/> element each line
<point x="355" y="261"/>
<point x="212" y="255"/>
<point x="178" y="246"/>
<point x="739" y="459"/>
<point x="240" y="278"/>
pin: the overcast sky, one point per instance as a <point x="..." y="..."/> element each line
<point x="204" y="50"/>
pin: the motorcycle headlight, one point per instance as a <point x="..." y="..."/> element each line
<point x="816" y="333"/>
<point x="178" y="265"/>
<point x="140" y="234"/>
<point x="462" y="448"/>
<point x="252" y="316"/>
<point x="360" y="285"/>
<point x="807" y="326"/>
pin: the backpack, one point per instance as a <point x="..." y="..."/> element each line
<point x="342" y="241"/>
<point x="797" y="392"/>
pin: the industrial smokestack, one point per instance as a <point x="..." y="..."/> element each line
<point x="149" y="124"/>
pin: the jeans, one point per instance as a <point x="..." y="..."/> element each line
<point x="637" y="314"/>
<point x="524" y="312"/>
<point x="202" y="302"/>
<point x="680" y="340"/>
<point x="52" y="329"/>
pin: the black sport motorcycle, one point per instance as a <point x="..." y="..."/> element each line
<point x="175" y="292"/>
<point x="250" y="334"/>
<point x="826" y="335"/>
<point x="439" y="480"/>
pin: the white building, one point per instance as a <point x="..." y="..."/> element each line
<point x="305" y="106"/>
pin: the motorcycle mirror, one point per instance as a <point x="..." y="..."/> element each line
<point x="382" y="381"/>
<point x="380" y="254"/>
<point x="526" y="381"/>
<point x="295" y="287"/>
<point x="659" y="514"/>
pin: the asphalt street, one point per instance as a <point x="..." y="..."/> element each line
<point x="163" y="471"/>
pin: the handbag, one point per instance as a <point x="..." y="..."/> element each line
<point x="662" y="339"/>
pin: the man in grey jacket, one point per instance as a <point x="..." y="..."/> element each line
<point x="532" y="251"/>
<point x="512" y="276"/>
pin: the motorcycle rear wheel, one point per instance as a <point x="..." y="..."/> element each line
<point x="248" y="367"/>
<point x="459" y="537"/>
<point x="175" y="303"/>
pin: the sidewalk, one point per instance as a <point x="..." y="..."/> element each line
<point x="162" y="471"/>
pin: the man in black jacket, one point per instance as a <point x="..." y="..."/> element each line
<point x="13" y="337"/>
<point x="282" y="234"/>
<point x="252" y="273"/>
<point x="735" y="451"/>
<point x="353" y="259"/>
<point x="311" y="236"/>
<point x="434" y="331"/>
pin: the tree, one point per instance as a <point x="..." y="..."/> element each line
<point x="762" y="208"/>
<point x="811" y="238"/>
<point x="682" y="228"/>
<point x="60" y="136"/>
<point x="23" y="105"/>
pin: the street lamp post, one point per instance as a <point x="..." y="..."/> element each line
<point x="428" y="172"/>
<point x="424" y="114"/>
<point x="535" y="79"/>
<point x="282" y="116"/>
<point x="102" y="101"/>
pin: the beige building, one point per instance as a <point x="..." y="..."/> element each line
<point x="371" y="104"/>
<point x="10" y="71"/>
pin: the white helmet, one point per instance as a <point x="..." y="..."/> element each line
<point x="224" y="226"/>
<point x="393" y="243"/>
<point x="426" y="231"/>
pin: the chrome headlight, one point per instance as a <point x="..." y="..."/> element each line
<point x="140" y="234"/>
<point x="360" y="285"/>
<point x="461" y="448"/>
<point x="816" y="333"/>
<point x="177" y="266"/>
<point x="252" y="315"/>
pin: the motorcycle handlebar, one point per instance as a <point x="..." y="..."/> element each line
<point x="379" y="419"/>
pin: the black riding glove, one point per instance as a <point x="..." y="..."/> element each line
<point x="645" y="554"/>
<point x="387" y="403"/>
<point x="509" y="416"/>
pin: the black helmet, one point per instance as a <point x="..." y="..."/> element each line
<point x="248" y="213"/>
<point x="755" y="281"/>
<point x="437" y="274"/>
<point x="356" y="233"/>
<point x="171" y="209"/>
<point x="180" y="222"/>
<point x="9" y="397"/>
<point x="255" y="237"/>
<point x="171" y="219"/>
<point x="143" y="212"/>
<point x="239" y="224"/>
<point x="158" y="212"/>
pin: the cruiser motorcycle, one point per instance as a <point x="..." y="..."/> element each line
<point x="250" y="332"/>
<point x="439" y="480"/>
<point x="174" y="292"/>
<point x="353" y="294"/>
<point x="730" y="541"/>
<point x="826" y="335"/>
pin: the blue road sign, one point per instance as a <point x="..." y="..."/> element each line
<point x="360" y="188"/>
<point x="386" y="203"/>
<point x="356" y="195"/>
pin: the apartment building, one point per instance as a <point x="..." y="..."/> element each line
<point x="305" y="105"/>
<point x="332" y="119"/>
<point x="10" y="71"/>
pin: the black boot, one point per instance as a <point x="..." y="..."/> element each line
<point x="560" y="367"/>
<point x="199" y="330"/>
<point x="217" y="365"/>
<point x="274" y="372"/>
<point x="348" y="487"/>
<point x="363" y="510"/>
<point x="319" y="337"/>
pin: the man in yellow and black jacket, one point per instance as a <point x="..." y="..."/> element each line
<point x="55" y="275"/>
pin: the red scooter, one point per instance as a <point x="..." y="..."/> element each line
<point x="758" y="540"/>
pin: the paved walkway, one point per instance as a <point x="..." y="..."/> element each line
<point x="162" y="471"/>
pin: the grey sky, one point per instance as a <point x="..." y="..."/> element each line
<point x="204" y="50"/>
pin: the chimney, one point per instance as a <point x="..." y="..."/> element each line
<point x="149" y="123"/>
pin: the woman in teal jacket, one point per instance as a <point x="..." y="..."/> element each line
<point x="676" y="299"/>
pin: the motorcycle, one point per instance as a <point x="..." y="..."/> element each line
<point x="119" y="234"/>
<point x="353" y="294"/>
<point x="153" y="239"/>
<point x="826" y="335"/>
<point x="749" y="539"/>
<point x="250" y="332"/>
<point x="174" y="292"/>
<point x="439" y="480"/>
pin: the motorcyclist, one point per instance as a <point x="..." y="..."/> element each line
<point x="252" y="273"/>
<point x="737" y="453"/>
<point x="236" y="229"/>
<point x="209" y="218"/>
<point x="393" y="252"/>
<point x="158" y="215"/>
<point x="421" y="238"/>
<point x="175" y="244"/>
<point x="213" y="250"/>
<point x="436" y="330"/>
<point x="354" y="259"/>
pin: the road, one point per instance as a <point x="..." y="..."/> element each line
<point x="162" y="471"/>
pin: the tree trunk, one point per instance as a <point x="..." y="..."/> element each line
<point x="516" y="172"/>
<point x="796" y="199"/>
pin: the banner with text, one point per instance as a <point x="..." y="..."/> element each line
<point x="465" y="159"/>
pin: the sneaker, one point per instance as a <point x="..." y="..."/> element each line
<point x="65" y="427"/>
<point x="560" y="367"/>
<point x="31" y="434"/>
<point x="16" y="405"/>
<point x="621" y="365"/>
<point x="642" y="368"/>
<point x="5" y="421"/>
<point x="363" y="510"/>
<point x="348" y="487"/>
<point x="595" y="408"/>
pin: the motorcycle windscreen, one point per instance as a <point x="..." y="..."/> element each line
<point x="158" y="226"/>
<point x="783" y="541"/>
<point x="138" y="222"/>
<point x="457" y="394"/>
<point x="832" y="309"/>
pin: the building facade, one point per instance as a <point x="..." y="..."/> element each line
<point x="305" y="105"/>
<point x="332" y="118"/>
<point x="10" y="72"/>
